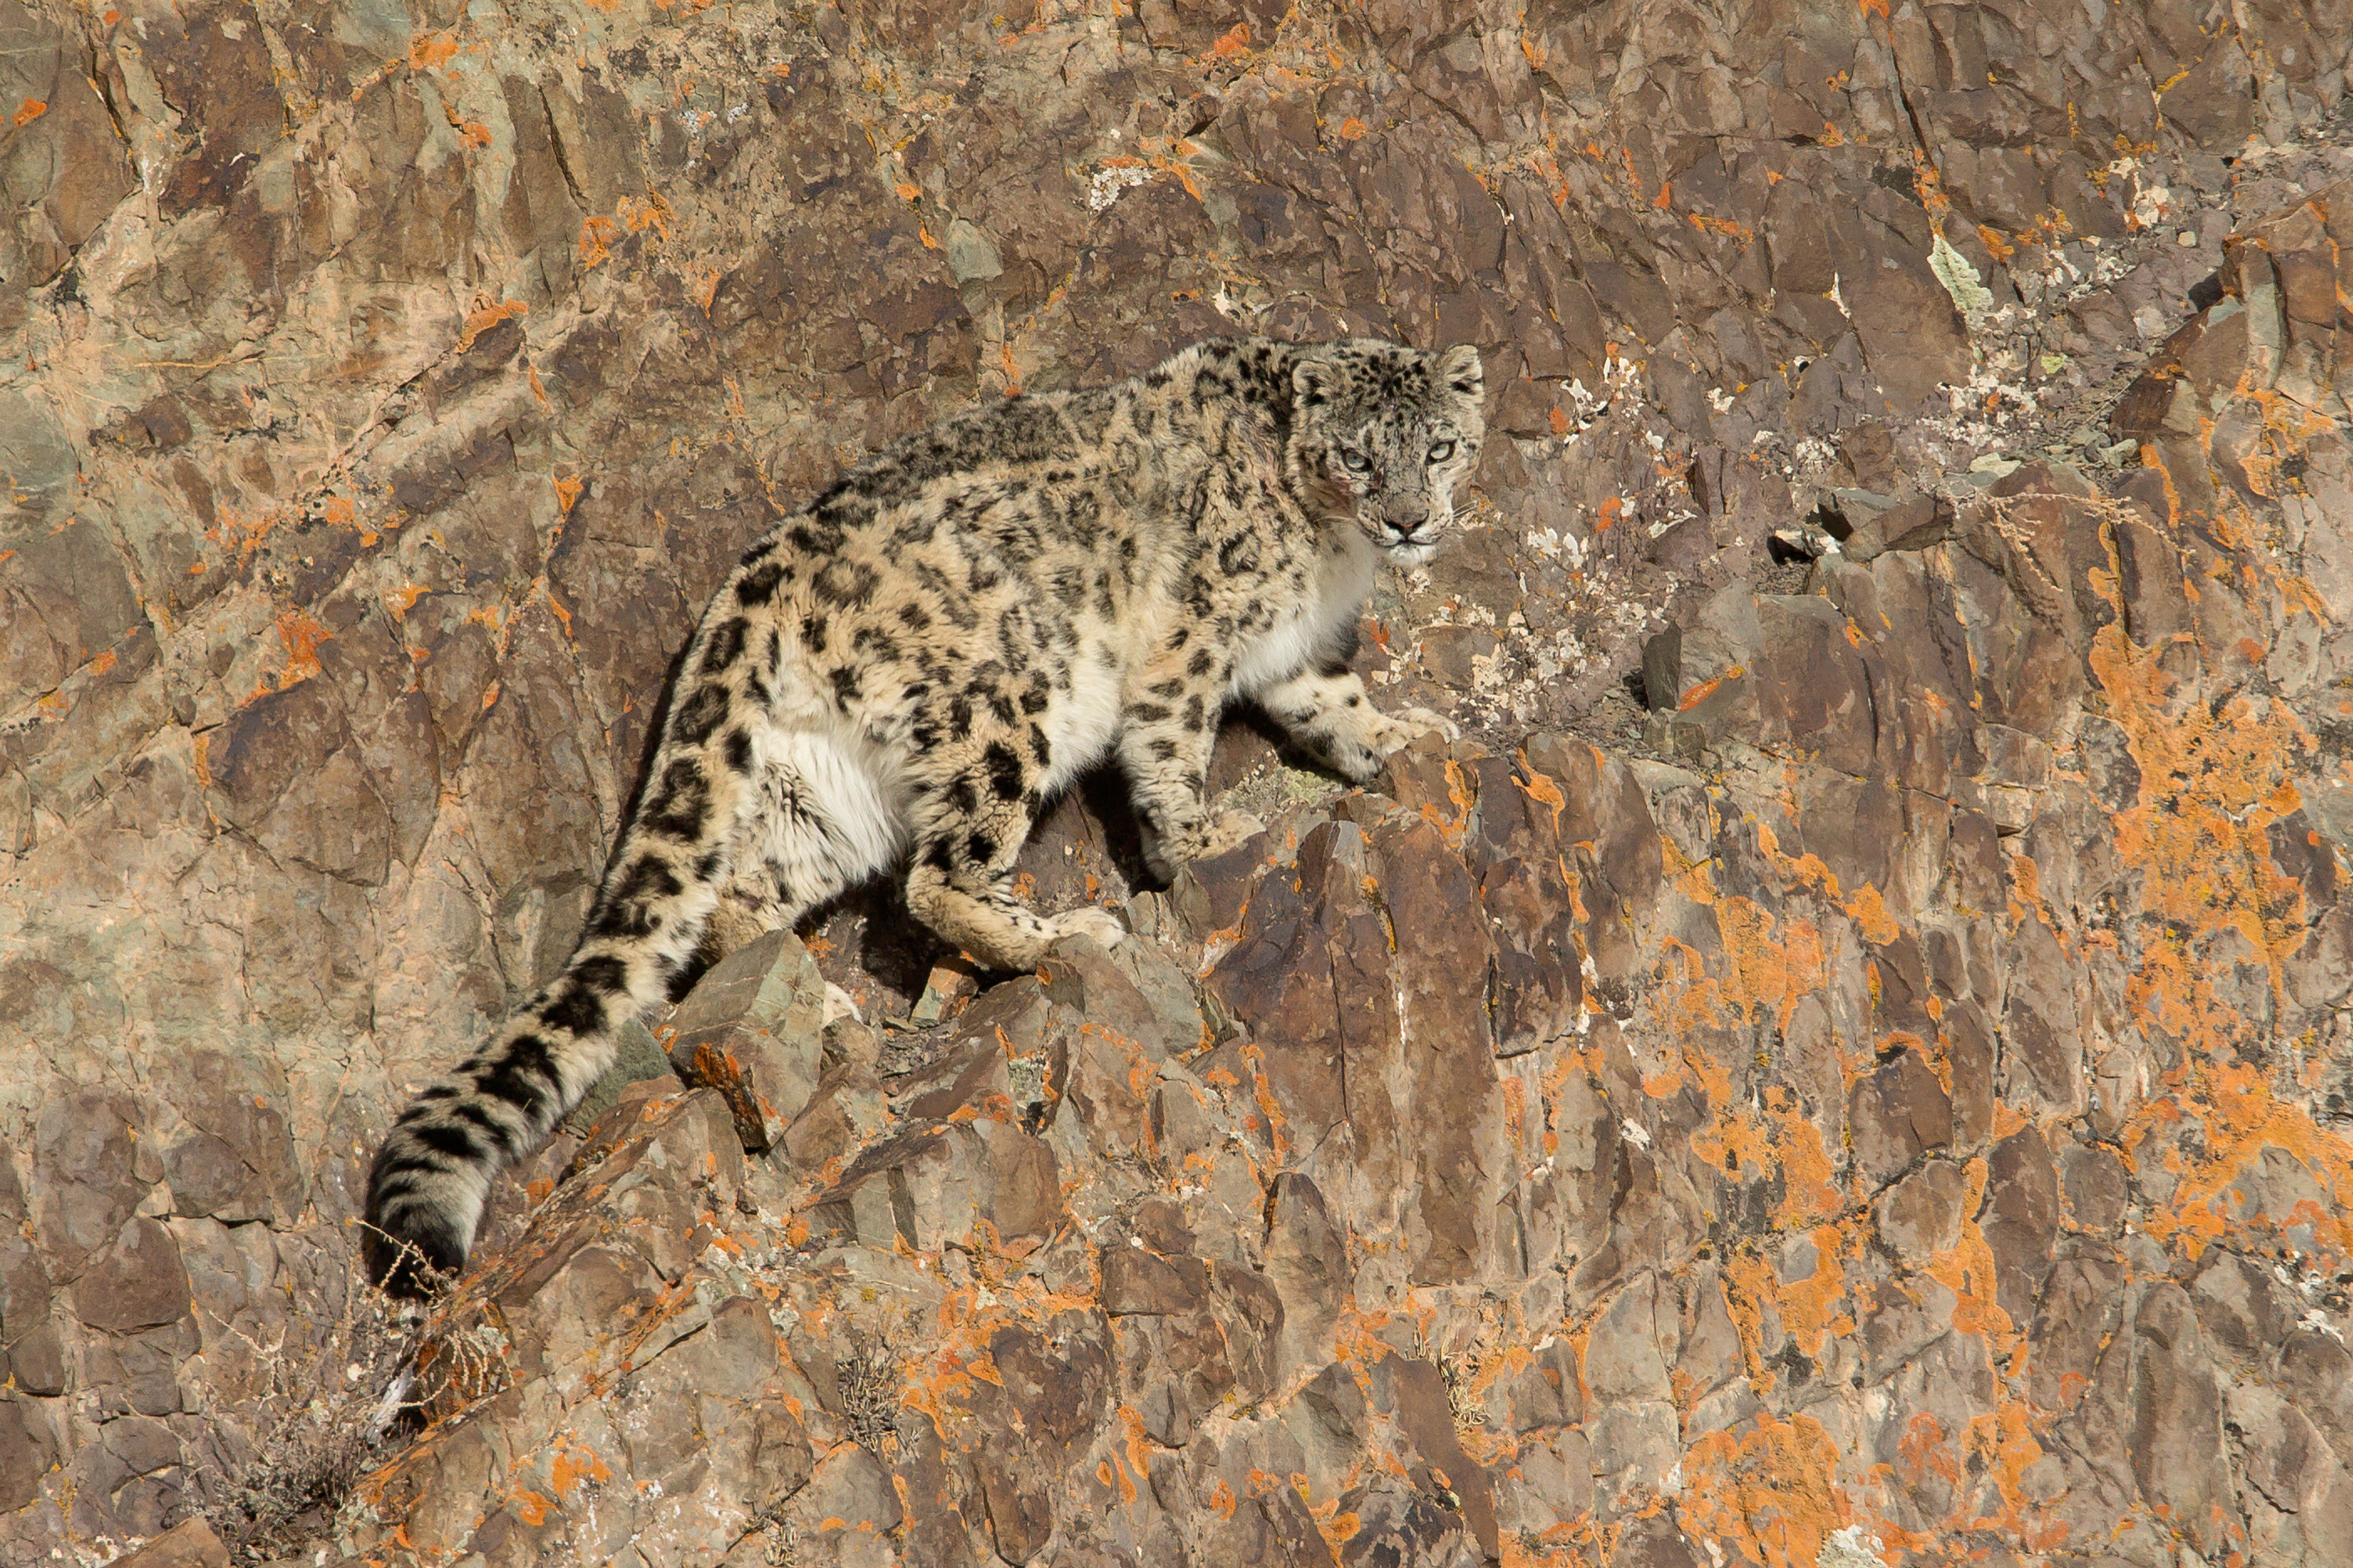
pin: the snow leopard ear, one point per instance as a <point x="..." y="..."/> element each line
<point x="1459" y="368"/>
<point x="1311" y="383"/>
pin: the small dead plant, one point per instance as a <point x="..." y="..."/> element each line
<point x="780" y="1539"/>
<point x="1459" y="1371"/>
<point x="323" y="1413"/>
<point x="1460" y="1376"/>
<point x="871" y="1384"/>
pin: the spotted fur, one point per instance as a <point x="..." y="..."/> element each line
<point x="904" y="672"/>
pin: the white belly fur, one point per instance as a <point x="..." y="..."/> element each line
<point x="1081" y="726"/>
<point x="851" y="785"/>
<point x="1285" y="649"/>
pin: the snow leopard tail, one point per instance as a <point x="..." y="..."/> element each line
<point x="432" y="1175"/>
<point x="431" y="1178"/>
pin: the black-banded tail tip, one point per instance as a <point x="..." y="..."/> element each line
<point x="411" y="1257"/>
<point x="425" y="1194"/>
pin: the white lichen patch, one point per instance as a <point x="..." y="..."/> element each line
<point x="2151" y="203"/>
<point x="1112" y="182"/>
<point x="1971" y="298"/>
<point x="1853" y="1547"/>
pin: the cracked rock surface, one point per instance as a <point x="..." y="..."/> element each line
<point x="1848" y="1058"/>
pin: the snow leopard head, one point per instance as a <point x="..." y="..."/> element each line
<point x="1380" y="437"/>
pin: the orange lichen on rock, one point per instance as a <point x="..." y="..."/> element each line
<point x="1966" y="1269"/>
<point x="483" y="317"/>
<point x="431" y="50"/>
<point x="300" y="635"/>
<point x="1774" y="962"/>
<point x="2213" y="780"/>
<point x="1769" y="1491"/>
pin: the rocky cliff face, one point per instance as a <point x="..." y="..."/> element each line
<point x="1846" y="1059"/>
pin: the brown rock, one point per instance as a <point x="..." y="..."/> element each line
<point x="1306" y="1262"/>
<point x="231" y="1163"/>
<point x="31" y="1356"/>
<point x="848" y="1497"/>
<point x="1448" y="1043"/>
<point x="1335" y="1400"/>
<point x="1315" y="982"/>
<point x="1019" y="1521"/>
<point x="378" y="423"/>
<point x="637" y="1060"/>
<point x="2081" y="1307"/>
<point x="1251" y="1316"/>
<point x="1181" y="1373"/>
<point x="1396" y="1525"/>
<point x="1899" y="1112"/>
<point x="1537" y="999"/>
<point x="1100" y="1075"/>
<point x="2288" y="1461"/>
<point x="970" y="1077"/>
<point x="1088" y="980"/>
<point x="1135" y="1280"/>
<point x="2240" y="1305"/>
<point x="1209" y="893"/>
<point x="1416" y="1395"/>
<point x="2039" y="1026"/>
<point x="1918" y="524"/>
<point x="2021" y="1218"/>
<point x="929" y="1185"/>
<point x="136" y="1283"/>
<point x="848" y="1109"/>
<point x="1657" y="1544"/>
<point x="1920" y="1215"/>
<point x="1812" y="682"/>
<point x="1026" y="1180"/>
<point x="85" y="1174"/>
<point x="1179" y="1124"/>
<point x="2177" y="1415"/>
<point x="2093" y="1182"/>
<point x="27" y="1452"/>
<point x="1623" y="1357"/>
<point x="751" y="1029"/>
<point x="189" y="1544"/>
<point x="127" y="1480"/>
<point x="1547" y="1393"/>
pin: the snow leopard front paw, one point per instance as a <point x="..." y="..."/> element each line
<point x="1352" y="759"/>
<point x="1358" y="758"/>
<point x="1169" y="847"/>
<point x="1406" y="728"/>
<point x="1098" y="924"/>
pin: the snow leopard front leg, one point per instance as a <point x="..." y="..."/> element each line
<point x="1327" y="711"/>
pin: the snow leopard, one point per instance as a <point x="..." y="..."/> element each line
<point x="904" y="672"/>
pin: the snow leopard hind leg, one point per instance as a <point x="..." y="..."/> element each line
<point x="827" y="822"/>
<point x="971" y="806"/>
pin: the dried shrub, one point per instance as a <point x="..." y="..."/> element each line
<point x="324" y="1412"/>
<point x="780" y="1541"/>
<point x="1460" y="1376"/>
<point x="870" y="1382"/>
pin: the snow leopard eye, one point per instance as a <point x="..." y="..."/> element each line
<point x="1355" y="462"/>
<point x="1441" y="452"/>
